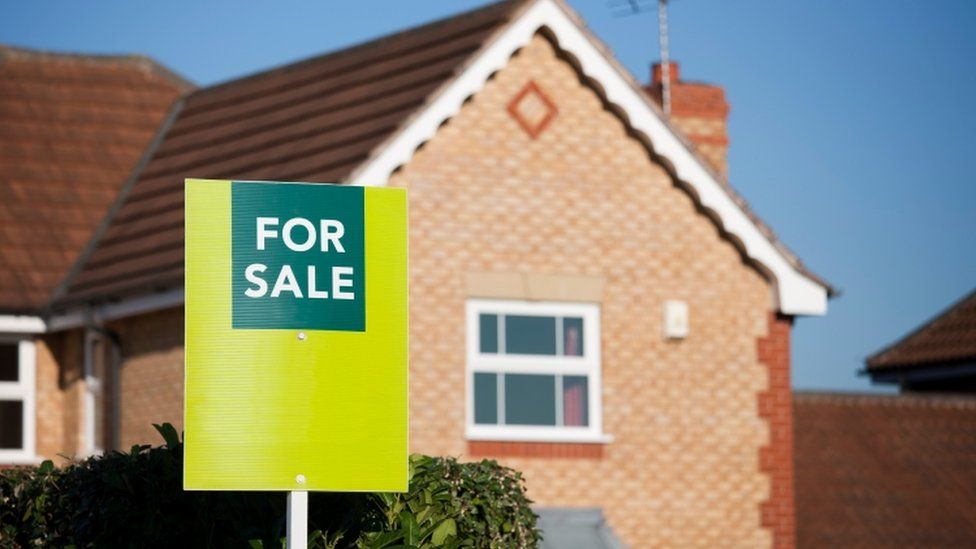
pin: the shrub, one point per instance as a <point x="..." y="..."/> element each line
<point x="136" y="499"/>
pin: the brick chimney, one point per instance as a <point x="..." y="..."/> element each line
<point x="700" y="112"/>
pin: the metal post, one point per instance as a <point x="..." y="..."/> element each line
<point x="662" y="21"/>
<point x="297" y="519"/>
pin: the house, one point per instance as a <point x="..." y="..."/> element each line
<point x="590" y="300"/>
<point x="72" y="127"/>
<point x="938" y="356"/>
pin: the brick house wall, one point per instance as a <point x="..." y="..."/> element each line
<point x="150" y="385"/>
<point x="151" y="375"/>
<point x="699" y="433"/>
<point x="585" y="199"/>
<point x="60" y="390"/>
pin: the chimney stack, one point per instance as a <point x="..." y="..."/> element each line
<point x="699" y="111"/>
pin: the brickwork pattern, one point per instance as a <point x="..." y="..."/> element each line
<point x="60" y="390"/>
<point x="151" y="375"/>
<point x="776" y="458"/>
<point x="586" y="199"/>
<point x="49" y="397"/>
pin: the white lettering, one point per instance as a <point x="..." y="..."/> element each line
<point x="249" y="273"/>
<point x="332" y="230"/>
<point x="338" y="283"/>
<point x="263" y="232"/>
<point x="286" y="283"/>
<point x="313" y="292"/>
<point x="286" y="234"/>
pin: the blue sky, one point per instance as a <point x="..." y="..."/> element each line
<point x="851" y="122"/>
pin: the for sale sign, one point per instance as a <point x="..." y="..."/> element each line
<point x="296" y="337"/>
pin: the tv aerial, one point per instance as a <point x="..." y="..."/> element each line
<point x="625" y="8"/>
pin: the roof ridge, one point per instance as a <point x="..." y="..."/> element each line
<point x="902" y="400"/>
<point x="138" y="60"/>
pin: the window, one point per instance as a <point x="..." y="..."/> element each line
<point x="16" y="400"/>
<point x="533" y="371"/>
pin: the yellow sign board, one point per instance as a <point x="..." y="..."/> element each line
<point x="296" y="337"/>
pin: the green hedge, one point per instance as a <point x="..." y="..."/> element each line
<point x="136" y="499"/>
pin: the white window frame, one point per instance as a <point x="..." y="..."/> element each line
<point x="499" y="363"/>
<point x="23" y="389"/>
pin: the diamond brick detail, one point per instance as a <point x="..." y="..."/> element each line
<point x="532" y="109"/>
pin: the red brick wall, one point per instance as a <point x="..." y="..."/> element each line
<point x="60" y="392"/>
<point x="776" y="407"/>
<point x="534" y="449"/>
<point x="151" y="376"/>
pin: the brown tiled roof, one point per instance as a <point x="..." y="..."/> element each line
<point x="885" y="471"/>
<point x="314" y="120"/>
<point x="948" y="339"/>
<point x="71" y="129"/>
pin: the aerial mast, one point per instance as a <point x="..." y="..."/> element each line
<point x="637" y="7"/>
<point x="662" y="25"/>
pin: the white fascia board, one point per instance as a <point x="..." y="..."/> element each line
<point x="796" y="293"/>
<point x="22" y="324"/>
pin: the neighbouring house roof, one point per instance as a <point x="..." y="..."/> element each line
<point x="885" y="471"/>
<point x="71" y="129"/>
<point x="355" y="116"/>
<point x="946" y="341"/>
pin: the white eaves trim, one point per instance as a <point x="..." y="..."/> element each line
<point x="797" y="294"/>
<point x="19" y="324"/>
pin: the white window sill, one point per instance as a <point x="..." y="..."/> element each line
<point x="20" y="460"/>
<point x="539" y="436"/>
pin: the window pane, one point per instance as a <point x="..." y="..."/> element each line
<point x="488" y="328"/>
<point x="573" y="336"/>
<point x="530" y="399"/>
<point x="575" y="402"/>
<point x="486" y="398"/>
<point x="11" y="424"/>
<point x="530" y="335"/>
<point x="8" y="362"/>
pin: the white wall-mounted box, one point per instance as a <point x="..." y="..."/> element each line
<point x="675" y="319"/>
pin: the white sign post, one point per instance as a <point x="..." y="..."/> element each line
<point x="297" y="519"/>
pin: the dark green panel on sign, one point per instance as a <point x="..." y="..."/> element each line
<point x="298" y="256"/>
